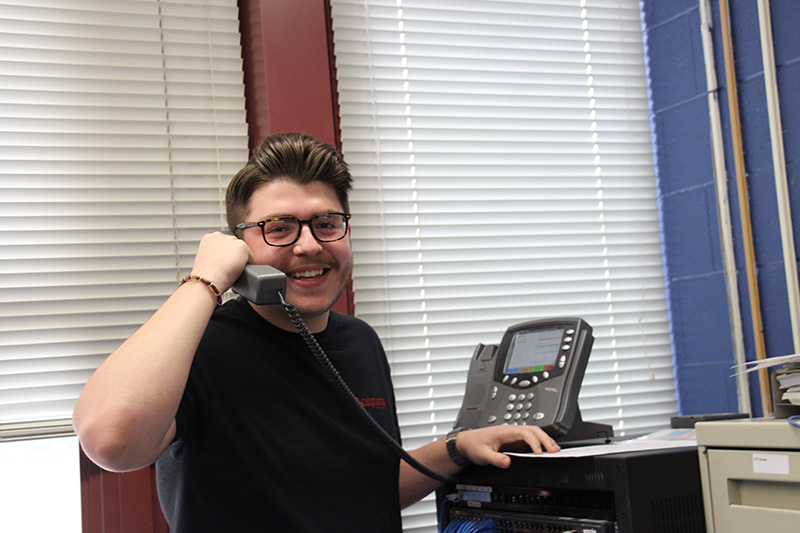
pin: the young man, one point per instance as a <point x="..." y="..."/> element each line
<point x="246" y="429"/>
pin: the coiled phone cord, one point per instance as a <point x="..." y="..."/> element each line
<point x="345" y="391"/>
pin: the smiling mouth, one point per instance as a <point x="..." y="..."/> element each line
<point x="307" y="274"/>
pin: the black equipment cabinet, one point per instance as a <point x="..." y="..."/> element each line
<point x="653" y="491"/>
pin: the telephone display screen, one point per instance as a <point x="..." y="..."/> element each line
<point x="533" y="351"/>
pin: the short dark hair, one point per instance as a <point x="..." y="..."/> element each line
<point x="295" y="157"/>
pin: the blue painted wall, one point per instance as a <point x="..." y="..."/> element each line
<point x="696" y="286"/>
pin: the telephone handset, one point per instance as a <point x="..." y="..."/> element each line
<point x="261" y="284"/>
<point x="265" y="285"/>
<point x="532" y="378"/>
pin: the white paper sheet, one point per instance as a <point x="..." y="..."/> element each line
<point x="666" y="438"/>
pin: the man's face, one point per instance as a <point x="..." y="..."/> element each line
<point x="317" y="272"/>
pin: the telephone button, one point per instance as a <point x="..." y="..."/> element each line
<point x="529" y="396"/>
<point x="565" y="348"/>
<point x="567" y="339"/>
<point x="545" y="374"/>
<point x="562" y="361"/>
<point x="528" y="406"/>
<point x="492" y="419"/>
<point x="512" y="397"/>
<point x="507" y="416"/>
<point x="525" y="383"/>
<point x="493" y="394"/>
<point x="520" y="407"/>
<point x="525" y="416"/>
<point x="510" y="407"/>
<point x="517" y="416"/>
<point x="570" y="331"/>
<point x="538" y="416"/>
<point x="513" y="381"/>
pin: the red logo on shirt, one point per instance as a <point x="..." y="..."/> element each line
<point x="375" y="403"/>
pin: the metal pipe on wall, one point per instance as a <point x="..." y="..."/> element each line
<point x="779" y="165"/>
<point x="723" y="207"/>
<point x="744" y="206"/>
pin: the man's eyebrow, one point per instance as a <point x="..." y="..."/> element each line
<point x="277" y="215"/>
<point x="273" y="215"/>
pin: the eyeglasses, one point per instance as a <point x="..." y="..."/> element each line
<point x="285" y="230"/>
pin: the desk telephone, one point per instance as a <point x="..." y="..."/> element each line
<point x="532" y="378"/>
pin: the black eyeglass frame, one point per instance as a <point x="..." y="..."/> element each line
<point x="307" y="221"/>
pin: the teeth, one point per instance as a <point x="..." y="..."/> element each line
<point x="307" y="274"/>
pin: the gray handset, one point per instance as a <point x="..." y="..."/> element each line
<point x="532" y="378"/>
<point x="261" y="284"/>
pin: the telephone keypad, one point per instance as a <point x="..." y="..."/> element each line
<point x="518" y="409"/>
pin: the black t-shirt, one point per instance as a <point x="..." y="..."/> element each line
<point x="265" y="442"/>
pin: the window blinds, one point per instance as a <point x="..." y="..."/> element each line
<point x="120" y="124"/>
<point x="504" y="172"/>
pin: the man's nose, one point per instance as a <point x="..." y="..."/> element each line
<point x="307" y="243"/>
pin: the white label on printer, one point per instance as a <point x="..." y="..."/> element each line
<point x="771" y="463"/>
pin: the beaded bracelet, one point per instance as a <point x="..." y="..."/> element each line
<point x="207" y="282"/>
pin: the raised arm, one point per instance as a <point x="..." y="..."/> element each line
<point x="482" y="446"/>
<point x="125" y="416"/>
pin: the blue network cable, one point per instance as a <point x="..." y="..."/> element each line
<point x="468" y="526"/>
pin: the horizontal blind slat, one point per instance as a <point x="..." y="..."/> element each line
<point x="121" y="123"/>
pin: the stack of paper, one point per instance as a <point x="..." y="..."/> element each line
<point x="658" y="440"/>
<point x="788" y="376"/>
<point x="789" y="382"/>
